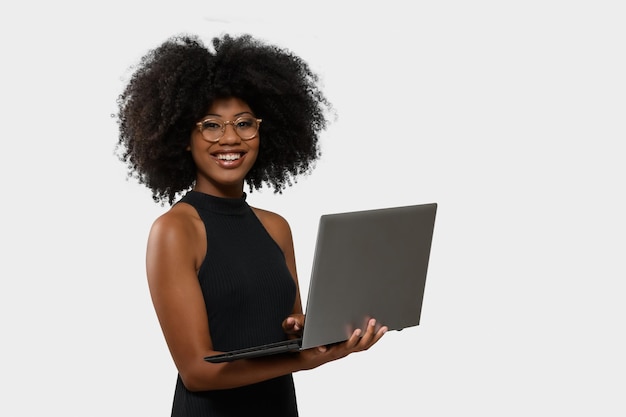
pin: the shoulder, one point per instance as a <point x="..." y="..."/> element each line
<point x="276" y="225"/>
<point x="177" y="219"/>
<point x="180" y="225"/>
<point x="176" y="238"/>
<point x="270" y="217"/>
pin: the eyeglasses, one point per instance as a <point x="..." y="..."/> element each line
<point x="213" y="129"/>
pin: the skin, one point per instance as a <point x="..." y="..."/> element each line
<point x="176" y="249"/>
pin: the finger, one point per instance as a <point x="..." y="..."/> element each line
<point x="287" y="323"/>
<point x="372" y="335"/>
<point x="354" y="339"/>
<point x="370" y="332"/>
<point x="380" y="333"/>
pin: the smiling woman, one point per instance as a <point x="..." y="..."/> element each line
<point x="196" y="125"/>
<point x="175" y="85"/>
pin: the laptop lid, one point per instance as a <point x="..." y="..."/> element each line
<point x="366" y="264"/>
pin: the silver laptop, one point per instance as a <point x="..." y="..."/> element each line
<point x="367" y="264"/>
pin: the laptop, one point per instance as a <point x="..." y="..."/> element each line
<point x="366" y="264"/>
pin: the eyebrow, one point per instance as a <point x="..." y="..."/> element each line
<point x="220" y="116"/>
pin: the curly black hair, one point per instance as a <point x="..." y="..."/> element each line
<point x="175" y="83"/>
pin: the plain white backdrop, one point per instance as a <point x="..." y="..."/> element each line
<point x="510" y="115"/>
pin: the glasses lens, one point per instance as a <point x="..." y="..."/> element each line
<point x="212" y="129"/>
<point x="246" y="127"/>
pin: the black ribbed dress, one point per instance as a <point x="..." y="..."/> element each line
<point x="248" y="291"/>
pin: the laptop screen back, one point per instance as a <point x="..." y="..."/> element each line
<point x="368" y="264"/>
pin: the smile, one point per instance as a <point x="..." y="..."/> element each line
<point x="228" y="156"/>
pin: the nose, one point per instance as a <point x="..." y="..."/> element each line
<point x="230" y="135"/>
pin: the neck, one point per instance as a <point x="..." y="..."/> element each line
<point x="219" y="190"/>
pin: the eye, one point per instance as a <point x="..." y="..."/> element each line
<point x="211" y="125"/>
<point x="245" y="123"/>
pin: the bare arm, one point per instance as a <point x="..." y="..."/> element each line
<point x="176" y="246"/>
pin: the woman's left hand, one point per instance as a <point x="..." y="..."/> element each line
<point x="293" y="324"/>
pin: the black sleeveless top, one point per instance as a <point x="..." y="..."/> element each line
<point x="248" y="291"/>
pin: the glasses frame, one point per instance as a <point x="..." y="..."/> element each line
<point x="226" y="123"/>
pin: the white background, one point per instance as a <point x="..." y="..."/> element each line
<point x="509" y="114"/>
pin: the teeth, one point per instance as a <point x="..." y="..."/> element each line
<point x="229" y="156"/>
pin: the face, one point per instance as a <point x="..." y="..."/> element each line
<point x="222" y="165"/>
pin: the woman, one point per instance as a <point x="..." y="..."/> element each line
<point x="196" y="125"/>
